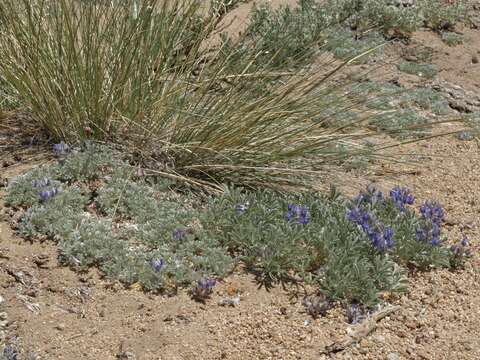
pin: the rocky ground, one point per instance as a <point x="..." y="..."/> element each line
<point x="51" y="312"/>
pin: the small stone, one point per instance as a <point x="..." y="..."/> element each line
<point x="393" y="356"/>
<point x="378" y="338"/>
<point x="60" y="327"/>
<point x="2" y="299"/>
<point x="31" y="292"/>
<point x="475" y="59"/>
<point x="411" y="324"/>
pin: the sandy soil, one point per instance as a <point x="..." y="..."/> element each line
<point x="59" y="314"/>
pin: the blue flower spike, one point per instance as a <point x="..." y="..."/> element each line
<point x="298" y="214"/>
<point x="157" y="264"/>
<point x="61" y="148"/>
<point x="381" y="237"/>
<point x="401" y="196"/>
<point x="241" y="208"/>
<point x="41" y="183"/>
<point x="204" y="288"/>
<point x="179" y="233"/>
<point x="429" y="229"/>
<point x="46" y="195"/>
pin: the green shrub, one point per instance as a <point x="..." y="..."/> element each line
<point x="440" y="16"/>
<point x="402" y="124"/>
<point x="88" y="164"/>
<point x="428" y="99"/>
<point x="345" y="45"/>
<point x="428" y="71"/>
<point x="56" y="217"/>
<point x="451" y="38"/>
<point x="24" y="191"/>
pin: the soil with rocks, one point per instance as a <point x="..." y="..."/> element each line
<point x="48" y="311"/>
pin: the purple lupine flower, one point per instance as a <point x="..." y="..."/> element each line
<point x="370" y="196"/>
<point x="241" y="208"/>
<point x="401" y="197"/>
<point x="429" y="229"/>
<point x="455" y="249"/>
<point x="304" y="216"/>
<point x="432" y="211"/>
<point x="179" y="233"/>
<point x="355" y="314"/>
<point x="353" y="214"/>
<point x="292" y="212"/>
<point x="41" y="183"/>
<point x="157" y="264"/>
<point x="380" y="237"/>
<point x="421" y="234"/>
<point x="9" y="353"/>
<point x="204" y="288"/>
<point x="465" y="136"/>
<point x="428" y="232"/>
<point x="461" y="248"/>
<point x="48" y="194"/>
<point x="61" y="148"/>
<point x="388" y="236"/>
<point x="301" y="215"/>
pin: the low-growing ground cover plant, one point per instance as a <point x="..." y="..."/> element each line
<point x="452" y="38"/>
<point x="139" y="231"/>
<point x="427" y="71"/>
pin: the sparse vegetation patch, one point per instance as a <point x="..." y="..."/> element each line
<point x="138" y="231"/>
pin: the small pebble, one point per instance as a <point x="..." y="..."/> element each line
<point x="393" y="356"/>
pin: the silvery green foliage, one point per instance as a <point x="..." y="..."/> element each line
<point x="414" y="105"/>
<point x="134" y="232"/>
<point x="54" y="218"/>
<point x="473" y="120"/>
<point x="345" y="45"/>
<point x="277" y="36"/>
<point x="440" y="16"/>
<point x="23" y="191"/>
<point x="428" y="99"/>
<point x="402" y="124"/>
<point x="88" y="164"/>
<point x="92" y="242"/>
<point x="135" y="222"/>
<point x="427" y="71"/>
<point x="452" y="38"/>
<point x="326" y="250"/>
<point x="128" y="199"/>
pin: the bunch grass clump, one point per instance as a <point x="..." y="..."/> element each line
<point x="142" y="73"/>
<point x="148" y="74"/>
<point x="133" y="231"/>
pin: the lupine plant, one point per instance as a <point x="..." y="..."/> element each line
<point x="353" y="250"/>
